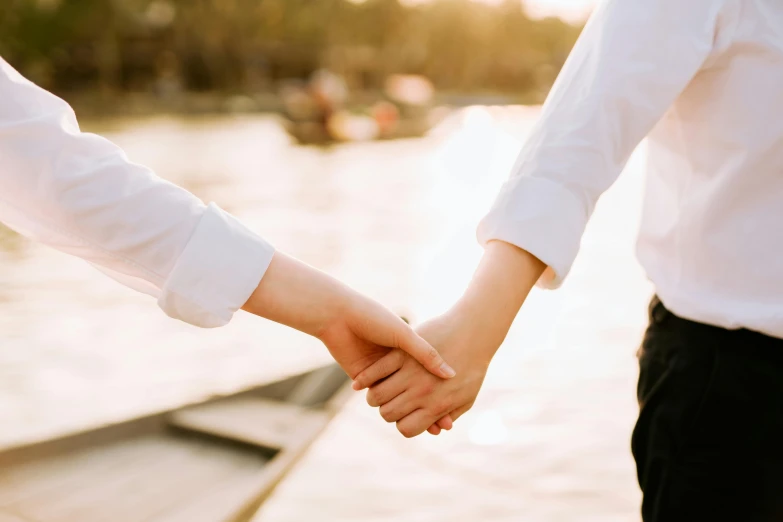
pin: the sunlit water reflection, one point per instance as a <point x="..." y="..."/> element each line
<point x="548" y="438"/>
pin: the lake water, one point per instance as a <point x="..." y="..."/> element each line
<point x="548" y="439"/>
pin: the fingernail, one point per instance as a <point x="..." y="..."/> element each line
<point x="447" y="371"/>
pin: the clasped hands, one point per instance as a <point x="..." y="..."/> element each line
<point x="467" y="337"/>
<point x="415" y="399"/>
<point x="422" y="380"/>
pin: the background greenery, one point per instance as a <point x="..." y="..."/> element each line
<point x="249" y="46"/>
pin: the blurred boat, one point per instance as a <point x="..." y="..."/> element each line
<point x="322" y="111"/>
<point x="216" y="461"/>
<point x="347" y="127"/>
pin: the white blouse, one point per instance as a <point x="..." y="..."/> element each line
<point x="704" y="79"/>
<point x="80" y="194"/>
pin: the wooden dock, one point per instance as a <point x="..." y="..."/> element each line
<point x="212" y="462"/>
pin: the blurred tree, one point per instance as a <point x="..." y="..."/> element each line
<point x="241" y="45"/>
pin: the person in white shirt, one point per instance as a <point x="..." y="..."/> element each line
<point x="79" y="193"/>
<point x="703" y="79"/>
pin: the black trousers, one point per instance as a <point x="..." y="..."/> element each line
<point x="708" y="443"/>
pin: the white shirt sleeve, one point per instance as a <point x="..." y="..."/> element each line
<point x="79" y="193"/>
<point x="631" y="62"/>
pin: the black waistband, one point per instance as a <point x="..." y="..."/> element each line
<point x="662" y="318"/>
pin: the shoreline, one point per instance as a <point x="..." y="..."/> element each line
<point x="97" y="105"/>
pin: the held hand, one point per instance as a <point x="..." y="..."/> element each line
<point x="356" y="330"/>
<point x="468" y="335"/>
<point x="364" y="332"/>
<point x="415" y="399"/>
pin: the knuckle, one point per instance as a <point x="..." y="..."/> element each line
<point x="387" y="415"/>
<point x="406" y="431"/>
<point x="440" y="408"/>
<point x="388" y="365"/>
<point x="427" y="387"/>
<point x="398" y="337"/>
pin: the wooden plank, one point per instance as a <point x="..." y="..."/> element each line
<point x="219" y="504"/>
<point x="193" y="470"/>
<point x="238" y="499"/>
<point x="269" y="424"/>
<point x="134" y="461"/>
<point x="49" y="477"/>
<point x="208" y="467"/>
<point x="162" y="475"/>
<point x="140" y="471"/>
<point x="99" y="436"/>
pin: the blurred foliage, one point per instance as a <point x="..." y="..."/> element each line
<point x="250" y="45"/>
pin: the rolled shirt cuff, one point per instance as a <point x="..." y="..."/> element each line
<point x="542" y="217"/>
<point x="216" y="273"/>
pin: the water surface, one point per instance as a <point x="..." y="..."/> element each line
<point x="548" y="439"/>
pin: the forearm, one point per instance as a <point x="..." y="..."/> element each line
<point x="297" y="295"/>
<point x="502" y="282"/>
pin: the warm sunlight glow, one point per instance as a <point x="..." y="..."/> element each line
<point x="490" y="2"/>
<point x="488" y="429"/>
<point x="569" y="10"/>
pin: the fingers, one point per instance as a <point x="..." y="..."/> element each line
<point x="459" y="412"/>
<point x="386" y="391"/>
<point x="381" y="369"/>
<point x="399" y="407"/>
<point x="415" y="423"/>
<point x="419" y="420"/>
<point x="445" y="422"/>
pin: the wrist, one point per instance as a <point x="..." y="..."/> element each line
<point x="299" y="296"/>
<point x="501" y="283"/>
<point x="497" y="291"/>
<point x="334" y="309"/>
<point x="482" y="338"/>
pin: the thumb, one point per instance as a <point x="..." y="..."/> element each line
<point x="411" y="343"/>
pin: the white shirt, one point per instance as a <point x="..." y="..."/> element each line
<point x="77" y="192"/>
<point x="704" y="78"/>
